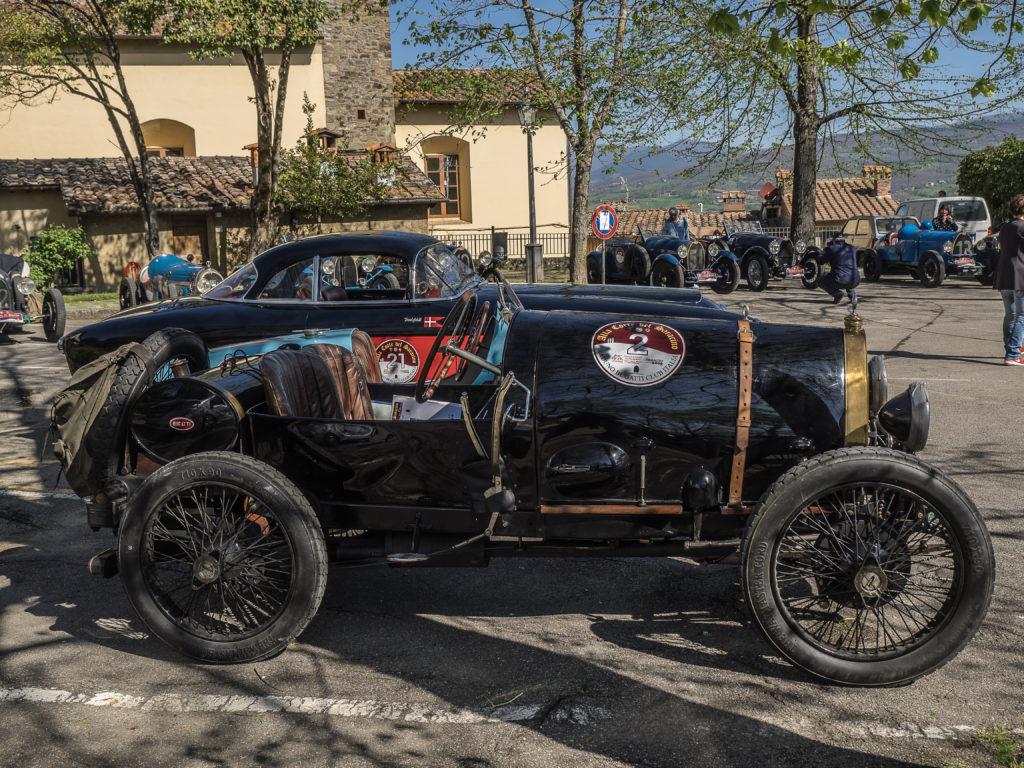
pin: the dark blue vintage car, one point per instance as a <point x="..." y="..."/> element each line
<point x="21" y="304"/>
<point x="665" y="261"/>
<point x="605" y="429"/>
<point x="927" y="254"/>
<point x="277" y="293"/>
<point x="763" y="257"/>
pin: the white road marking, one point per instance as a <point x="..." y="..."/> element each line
<point x="581" y="715"/>
<point x="32" y="493"/>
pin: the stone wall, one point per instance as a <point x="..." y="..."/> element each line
<point x="357" y="76"/>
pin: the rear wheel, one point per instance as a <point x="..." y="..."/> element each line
<point x="873" y="267"/>
<point x="865" y="566"/>
<point x="222" y="557"/>
<point x="54" y="315"/>
<point x="932" y="270"/>
<point x="757" y="272"/>
<point x="667" y="274"/>
<point x="728" y="277"/>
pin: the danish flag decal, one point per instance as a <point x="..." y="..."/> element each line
<point x="432" y="322"/>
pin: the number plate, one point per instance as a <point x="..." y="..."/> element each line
<point x="794" y="271"/>
<point x="11" y="316"/>
<point x="707" y="276"/>
<point x="965" y="261"/>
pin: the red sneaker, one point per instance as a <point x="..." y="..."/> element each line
<point x="1014" y="361"/>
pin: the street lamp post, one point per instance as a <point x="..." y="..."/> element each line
<point x="534" y="251"/>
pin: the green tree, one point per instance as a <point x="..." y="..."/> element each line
<point x="72" y="46"/>
<point x="810" y="70"/>
<point x="54" y="249"/>
<point x="266" y="34"/>
<point x="996" y="174"/>
<point x="610" y="71"/>
<point x="321" y="182"/>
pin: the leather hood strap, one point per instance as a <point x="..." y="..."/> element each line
<point x="746" y="380"/>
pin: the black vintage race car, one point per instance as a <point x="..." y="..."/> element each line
<point x="543" y="433"/>
<point x="665" y="261"/>
<point x="764" y="257"/>
<point x="21" y="303"/>
<point x="395" y="286"/>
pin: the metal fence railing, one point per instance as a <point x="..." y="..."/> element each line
<point x="556" y="244"/>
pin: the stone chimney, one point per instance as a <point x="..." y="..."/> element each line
<point x="881" y="178"/>
<point x="734" y="201"/>
<point x="358" y="79"/>
<point x="783" y="179"/>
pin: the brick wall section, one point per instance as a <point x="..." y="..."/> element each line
<point x="357" y="75"/>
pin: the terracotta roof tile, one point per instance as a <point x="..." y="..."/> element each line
<point x="839" y="199"/>
<point x="450" y="86"/>
<point x="194" y="183"/>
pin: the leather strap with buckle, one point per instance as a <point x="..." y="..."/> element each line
<point x="739" y="457"/>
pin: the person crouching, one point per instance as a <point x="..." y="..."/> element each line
<point x="842" y="258"/>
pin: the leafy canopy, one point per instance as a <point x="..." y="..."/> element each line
<point x="54" y="249"/>
<point x="995" y="174"/>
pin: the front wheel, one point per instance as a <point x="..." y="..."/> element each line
<point x="812" y="272"/>
<point x="757" y="272"/>
<point x="128" y="293"/>
<point x="728" y="277"/>
<point x="866" y="566"/>
<point x="222" y="557"/>
<point x="873" y="266"/>
<point x="667" y="274"/>
<point x="932" y="270"/>
<point x="55" y="315"/>
<point x="384" y="281"/>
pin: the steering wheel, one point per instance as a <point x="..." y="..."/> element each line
<point x="455" y="325"/>
<point x="478" y="328"/>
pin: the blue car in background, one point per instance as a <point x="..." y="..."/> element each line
<point x="665" y="261"/>
<point x="165" y="277"/>
<point x="927" y="254"/>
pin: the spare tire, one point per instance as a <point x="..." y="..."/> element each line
<point x="107" y="440"/>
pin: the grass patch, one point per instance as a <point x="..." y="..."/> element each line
<point x="1006" y="752"/>
<point x="80" y="298"/>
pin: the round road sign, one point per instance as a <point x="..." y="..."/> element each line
<point x="604" y="222"/>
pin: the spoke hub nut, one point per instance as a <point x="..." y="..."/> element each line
<point x="871" y="582"/>
<point x="206" y="569"/>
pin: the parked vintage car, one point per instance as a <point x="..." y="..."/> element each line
<point x="21" y="304"/>
<point x="544" y="433"/>
<point x="762" y="257"/>
<point x="165" y="277"/>
<point x="927" y="254"/>
<point x="864" y="232"/>
<point x="663" y="260"/>
<point x="276" y="293"/>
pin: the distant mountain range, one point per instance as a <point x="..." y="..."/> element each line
<point x="652" y="179"/>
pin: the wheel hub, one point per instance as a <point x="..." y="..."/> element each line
<point x="206" y="570"/>
<point x="871" y="582"/>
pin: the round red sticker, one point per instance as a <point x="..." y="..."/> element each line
<point x="182" y="423"/>
<point x="638" y="354"/>
<point x="399" y="362"/>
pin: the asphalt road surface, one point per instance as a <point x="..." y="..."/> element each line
<point x="528" y="662"/>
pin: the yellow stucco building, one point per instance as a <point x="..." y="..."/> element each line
<point x="196" y="118"/>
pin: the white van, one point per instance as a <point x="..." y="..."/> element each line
<point x="970" y="213"/>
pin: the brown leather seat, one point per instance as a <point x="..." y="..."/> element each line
<point x="322" y="381"/>
<point x="299" y="385"/>
<point x="366" y="354"/>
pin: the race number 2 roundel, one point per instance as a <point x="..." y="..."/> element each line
<point x="399" y="361"/>
<point x="638" y="354"/>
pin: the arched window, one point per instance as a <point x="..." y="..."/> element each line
<point x="169" y="138"/>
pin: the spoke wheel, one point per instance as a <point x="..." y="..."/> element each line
<point x="867" y="567"/>
<point x="220" y="563"/>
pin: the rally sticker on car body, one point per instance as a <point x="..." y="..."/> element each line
<point x="399" y="361"/>
<point x="638" y="354"/>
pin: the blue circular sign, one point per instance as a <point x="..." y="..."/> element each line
<point x="604" y="222"/>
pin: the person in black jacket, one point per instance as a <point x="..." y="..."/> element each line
<point x="944" y="221"/>
<point x="842" y="257"/>
<point x="1008" y="279"/>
